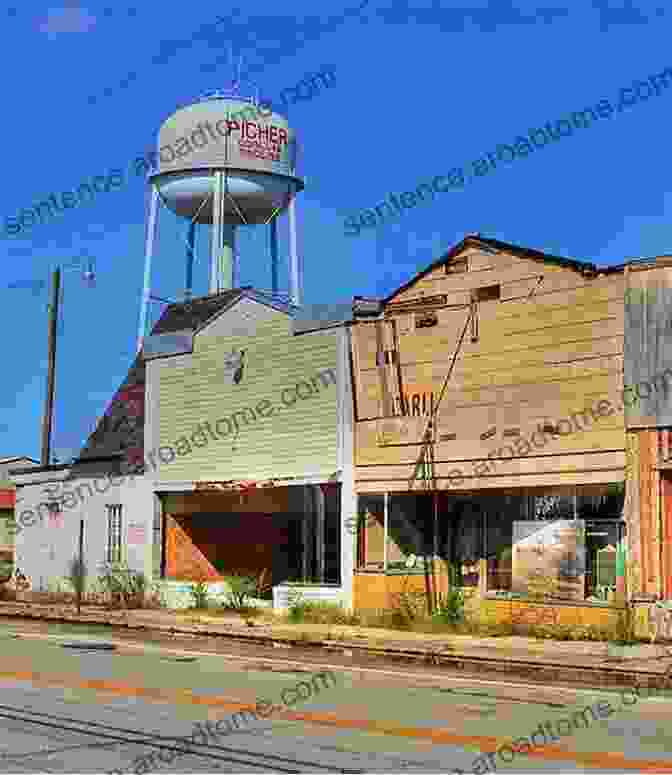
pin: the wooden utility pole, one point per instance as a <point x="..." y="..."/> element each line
<point x="80" y="585"/>
<point x="51" y="374"/>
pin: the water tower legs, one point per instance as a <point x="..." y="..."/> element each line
<point x="274" y="256"/>
<point x="189" y="284"/>
<point x="294" y="274"/>
<point x="223" y="241"/>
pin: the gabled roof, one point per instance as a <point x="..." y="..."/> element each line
<point x="4" y="460"/>
<point x="476" y="240"/>
<point x="248" y="293"/>
<point x="121" y="429"/>
<point x="192" y="314"/>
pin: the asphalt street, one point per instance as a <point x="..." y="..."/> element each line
<point x="66" y="709"/>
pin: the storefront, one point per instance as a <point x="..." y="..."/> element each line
<point x="275" y="533"/>
<point x="560" y="543"/>
<point x="488" y="453"/>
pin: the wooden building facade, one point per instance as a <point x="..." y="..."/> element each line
<point x="487" y="405"/>
<point x="255" y="476"/>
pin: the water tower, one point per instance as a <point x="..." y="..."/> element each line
<point x="226" y="162"/>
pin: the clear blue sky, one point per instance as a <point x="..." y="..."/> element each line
<point x="421" y="87"/>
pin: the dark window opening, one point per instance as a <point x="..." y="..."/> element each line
<point x="487" y="293"/>
<point x="426" y="320"/>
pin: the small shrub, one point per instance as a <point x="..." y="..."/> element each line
<point x="6" y="570"/>
<point x="77" y="576"/>
<point x="122" y="586"/>
<point x="199" y="594"/>
<point x="407" y="606"/>
<point x="138" y="584"/>
<point x="296" y="606"/>
<point x="450" y="607"/>
<point x="241" y="589"/>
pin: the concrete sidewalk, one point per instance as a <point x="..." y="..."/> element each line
<point x="583" y="661"/>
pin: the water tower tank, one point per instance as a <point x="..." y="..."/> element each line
<point x="254" y="148"/>
<point x="225" y="162"/>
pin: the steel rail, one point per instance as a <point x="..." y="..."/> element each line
<point x="154" y="740"/>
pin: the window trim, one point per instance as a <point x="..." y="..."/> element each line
<point x="114" y="553"/>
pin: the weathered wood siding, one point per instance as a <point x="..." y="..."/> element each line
<point x="648" y="558"/>
<point x="296" y="437"/>
<point x="648" y="346"/>
<point x="549" y="347"/>
<point x="666" y="507"/>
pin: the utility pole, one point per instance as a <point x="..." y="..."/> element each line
<point x="80" y="579"/>
<point x="51" y="374"/>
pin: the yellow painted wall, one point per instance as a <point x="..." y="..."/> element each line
<point x="376" y="592"/>
<point x="549" y="347"/>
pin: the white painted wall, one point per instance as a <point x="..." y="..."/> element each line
<point x="44" y="548"/>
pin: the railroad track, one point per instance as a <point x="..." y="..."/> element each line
<point x="108" y="735"/>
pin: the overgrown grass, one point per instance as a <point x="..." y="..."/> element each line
<point x="320" y="612"/>
<point x="242" y="587"/>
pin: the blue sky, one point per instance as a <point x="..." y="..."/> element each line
<point x="421" y="87"/>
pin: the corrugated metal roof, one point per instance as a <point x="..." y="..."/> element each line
<point x="314" y="317"/>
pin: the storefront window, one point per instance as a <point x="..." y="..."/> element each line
<point x="576" y="529"/>
<point x="410" y="540"/>
<point x="460" y="537"/>
<point x="369" y="528"/>
<point x="594" y="513"/>
<point x="501" y="510"/>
